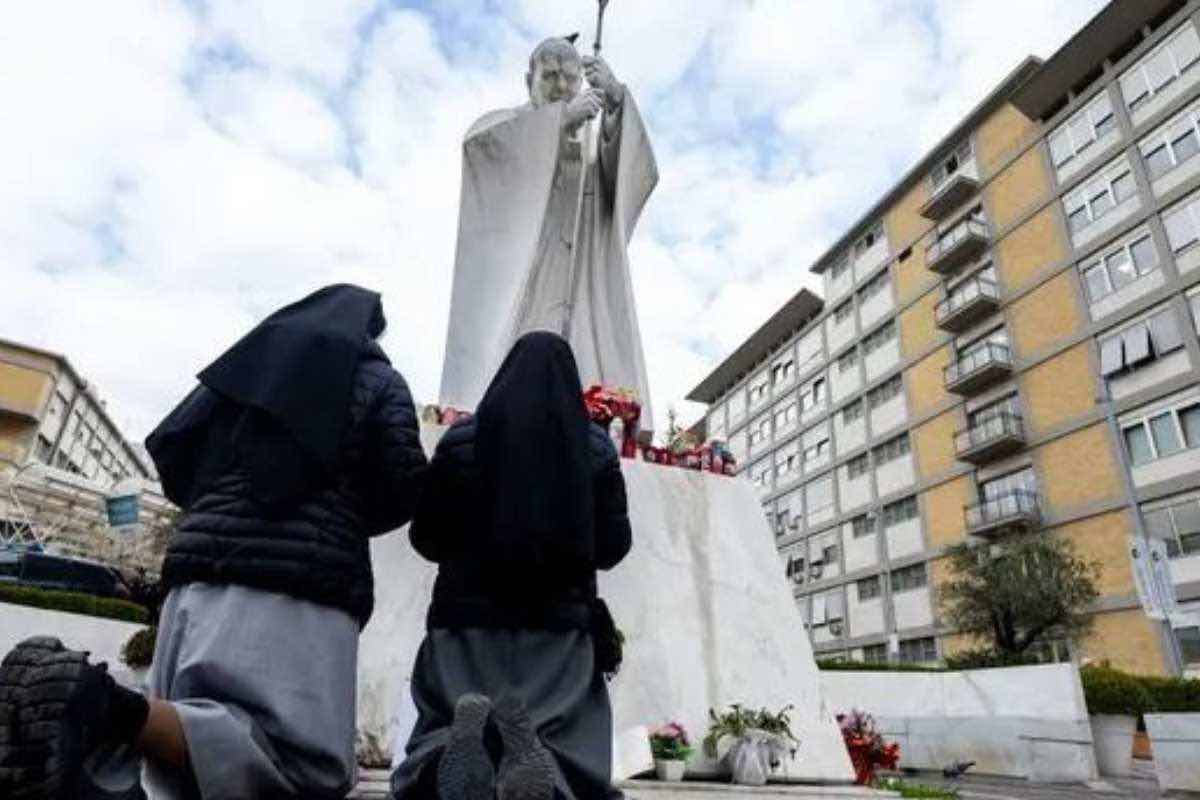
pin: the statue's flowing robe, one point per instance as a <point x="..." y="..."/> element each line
<point x="521" y="251"/>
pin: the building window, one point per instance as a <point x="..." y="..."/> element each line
<point x="783" y="371"/>
<point x="1178" y="525"/>
<point x="869" y="588"/>
<point x="758" y="390"/>
<point x="874" y="286"/>
<point x="1099" y="196"/>
<point x="1189" y="644"/>
<point x="812" y="396"/>
<point x="884" y="392"/>
<point x="862" y="525"/>
<point x="785" y="415"/>
<point x="1082" y="130"/>
<point x="818" y="496"/>
<point x="817" y="453"/>
<point x="848" y="360"/>
<point x="760" y="431"/>
<point x="1021" y="481"/>
<point x="909" y="578"/>
<point x="878" y="338"/>
<point x="761" y="474"/>
<point x="869" y="239"/>
<point x="951" y="165"/>
<point x="795" y="569"/>
<point x="1161" y="67"/>
<point x="787" y="462"/>
<point x="1172" y="144"/>
<point x="839" y="268"/>
<point x="1140" y="343"/>
<point x="1182" y="222"/>
<point x="852" y="412"/>
<point x="1008" y="405"/>
<point x="875" y="654"/>
<point x="843" y="312"/>
<point x="858" y="466"/>
<point x="1163" y="434"/>
<point x="899" y="512"/>
<point x="918" y="651"/>
<point x="891" y="450"/>
<point x="45" y="450"/>
<point x="1119" y="267"/>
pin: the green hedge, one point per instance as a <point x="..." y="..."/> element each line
<point x="73" y="603"/>
<point x="138" y="651"/>
<point x="874" y="666"/>
<point x="1110" y="691"/>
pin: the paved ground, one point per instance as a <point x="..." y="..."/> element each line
<point x="1141" y="786"/>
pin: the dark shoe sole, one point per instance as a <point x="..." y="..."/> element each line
<point x="465" y="771"/>
<point x="527" y="768"/>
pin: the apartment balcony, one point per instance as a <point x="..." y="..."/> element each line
<point x="979" y="369"/>
<point x="970" y="302"/>
<point x="993" y="437"/>
<point x="951" y="194"/>
<point x="1017" y="511"/>
<point x="961" y="245"/>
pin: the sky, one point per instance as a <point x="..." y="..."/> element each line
<point x="171" y="171"/>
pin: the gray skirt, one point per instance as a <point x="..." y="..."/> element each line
<point x="264" y="685"/>
<point x="552" y="672"/>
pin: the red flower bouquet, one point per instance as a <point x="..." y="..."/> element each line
<point x="867" y="748"/>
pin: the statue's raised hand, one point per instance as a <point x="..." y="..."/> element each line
<point x="600" y="76"/>
<point x="584" y="107"/>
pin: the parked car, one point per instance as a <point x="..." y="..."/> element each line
<point x="61" y="573"/>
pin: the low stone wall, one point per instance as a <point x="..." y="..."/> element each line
<point x="1027" y="722"/>
<point x="103" y="638"/>
<point x="1175" y="739"/>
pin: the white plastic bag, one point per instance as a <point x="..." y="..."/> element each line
<point x="750" y="759"/>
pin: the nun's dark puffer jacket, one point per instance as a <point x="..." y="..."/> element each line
<point x="466" y="593"/>
<point x="316" y="549"/>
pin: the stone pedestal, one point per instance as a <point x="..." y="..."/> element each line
<point x="708" y="617"/>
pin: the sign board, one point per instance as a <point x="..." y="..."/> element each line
<point x="123" y="509"/>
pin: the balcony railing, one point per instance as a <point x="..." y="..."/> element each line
<point x="1015" y="511"/>
<point x="979" y="369"/>
<point x="990" y="438"/>
<point x="967" y="304"/>
<point x="951" y="193"/>
<point x="960" y="245"/>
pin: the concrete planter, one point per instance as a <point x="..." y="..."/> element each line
<point x="1112" y="736"/>
<point x="1176" y="742"/>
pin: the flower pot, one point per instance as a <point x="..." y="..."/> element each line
<point x="1112" y="737"/>
<point x="671" y="769"/>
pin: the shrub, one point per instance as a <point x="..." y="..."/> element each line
<point x="138" y="651"/>
<point x="737" y="721"/>
<point x="73" y="603"/>
<point x="987" y="658"/>
<point x="1172" y="695"/>
<point x="874" y="666"/>
<point x="1110" y="691"/>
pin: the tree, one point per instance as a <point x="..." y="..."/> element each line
<point x="1019" y="591"/>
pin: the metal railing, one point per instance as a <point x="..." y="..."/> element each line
<point x="966" y="293"/>
<point x="988" y="429"/>
<point x="1014" y="505"/>
<point x="976" y="359"/>
<point x="954" y="237"/>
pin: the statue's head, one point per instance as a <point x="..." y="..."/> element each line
<point x="555" y="72"/>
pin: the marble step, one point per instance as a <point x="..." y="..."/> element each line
<point x="373" y="785"/>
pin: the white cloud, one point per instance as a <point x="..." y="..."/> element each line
<point x="175" y="170"/>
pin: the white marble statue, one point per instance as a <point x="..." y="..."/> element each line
<point x="547" y="209"/>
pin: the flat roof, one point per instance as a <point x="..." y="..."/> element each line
<point x="921" y="169"/>
<point x="1083" y="52"/>
<point x="794" y="315"/>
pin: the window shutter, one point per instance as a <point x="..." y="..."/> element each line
<point x="818" y="609"/>
<point x="1112" y="357"/>
<point x="1137" y="344"/>
<point x="1164" y="328"/>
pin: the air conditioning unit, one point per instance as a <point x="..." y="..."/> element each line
<point x="816" y="569"/>
<point x="836" y="628"/>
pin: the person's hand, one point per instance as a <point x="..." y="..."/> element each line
<point x="600" y="76"/>
<point x="584" y="107"/>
